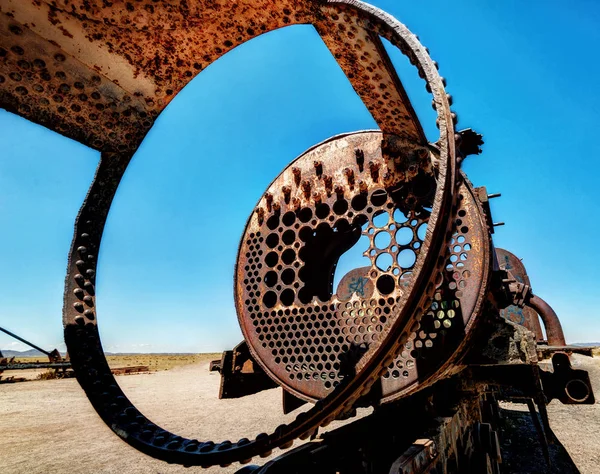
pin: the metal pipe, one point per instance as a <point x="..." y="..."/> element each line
<point x="554" y="331"/>
<point x="26" y="342"/>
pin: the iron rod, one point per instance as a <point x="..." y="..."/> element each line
<point x="25" y="341"/>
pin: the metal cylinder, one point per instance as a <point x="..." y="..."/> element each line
<point x="554" y="331"/>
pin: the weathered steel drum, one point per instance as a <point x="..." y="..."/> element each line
<point x="303" y="334"/>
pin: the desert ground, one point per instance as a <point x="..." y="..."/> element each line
<point x="48" y="426"/>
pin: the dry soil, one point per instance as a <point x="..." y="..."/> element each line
<point x="50" y="427"/>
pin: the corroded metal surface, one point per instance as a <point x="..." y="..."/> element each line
<point x="101" y="72"/>
<point x="80" y="320"/>
<point x="328" y="200"/>
<point x="554" y="332"/>
<point x="362" y="56"/>
<point x="525" y="316"/>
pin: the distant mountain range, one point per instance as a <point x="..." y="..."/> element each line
<point x="29" y="353"/>
<point x="34" y="353"/>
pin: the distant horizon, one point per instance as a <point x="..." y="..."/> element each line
<point x="62" y="353"/>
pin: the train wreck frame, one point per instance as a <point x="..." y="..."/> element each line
<point x="427" y="346"/>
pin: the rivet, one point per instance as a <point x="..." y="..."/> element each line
<point x="306" y="188"/>
<point x="287" y="192"/>
<point x="260" y="214"/>
<point x="269" y="201"/>
<point x="297" y="175"/>
<point x="350" y="177"/>
<point x="362" y="187"/>
<point x="374" y="170"/>
<point x="328" y="180"/>
<point x="78" y="307"/>
<point x="318" y="168"/>
<point x="360" y="159"/>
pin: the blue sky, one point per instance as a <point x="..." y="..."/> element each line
<point x="524" y="74"/>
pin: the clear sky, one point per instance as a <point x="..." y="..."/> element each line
<point x="524" y="74"/>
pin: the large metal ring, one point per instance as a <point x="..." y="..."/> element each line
<point x="79" y="316"/>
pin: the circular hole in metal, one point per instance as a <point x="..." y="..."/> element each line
<point x="288" y="218"/>
<point x="322" y="211"/>
<point x="382" y="240"/>
<point x="384" y="262"/>
<point x="271" y="259"/>
<point x="272" y="240"/>
<point x="288" y="256"/>
<point x="378" y="197"/>
<point x="271" y="278"/>
<point x="273" y="222"/>
<point x="407" y="258"/>
<point x="404" y="235"/>
<point x="287" y="276"/>
<point x="288" y="237"/>
<point x="359" y="202"/>
<point x="304" y="214"/>
<point x="577" y="390"/>
<point x="287" y="297"/>
<point x="340" y="206"/>
<point x="270" y="299"/>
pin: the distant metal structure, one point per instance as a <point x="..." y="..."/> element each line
<point x="55" y="360"/>
<point x="418" y="334"/>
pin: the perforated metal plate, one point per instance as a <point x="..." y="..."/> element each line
<point x="306" y="336"/>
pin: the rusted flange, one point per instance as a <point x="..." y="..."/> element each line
<point x="308" y="338"/>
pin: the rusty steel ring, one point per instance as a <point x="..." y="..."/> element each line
<point x="341" y="193"/>
<point x="80" y="321"/>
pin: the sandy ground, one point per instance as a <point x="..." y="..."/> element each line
<point x="50" y="427"/>
<point x="154" y="362"/>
